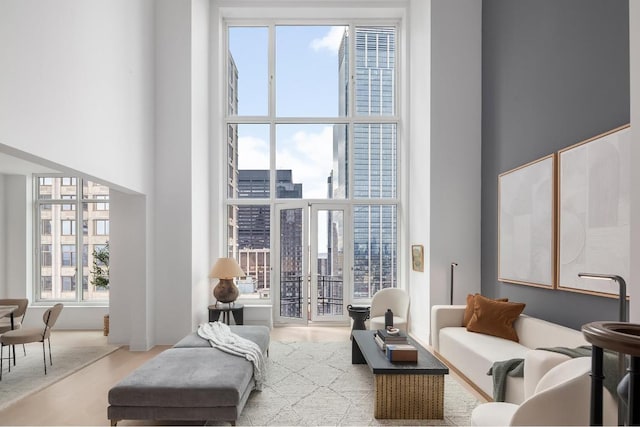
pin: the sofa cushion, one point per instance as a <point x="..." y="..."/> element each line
<point x="495" y="317"/>
<point x="537" y="333"/>
<point x="185" y="377"/>
<point x="468" y="311"/>
<point x="257" y="333"/>
<point x="473" y="354"/>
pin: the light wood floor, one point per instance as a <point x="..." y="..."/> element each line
<point x="81" y="398"/>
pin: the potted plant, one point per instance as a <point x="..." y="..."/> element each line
<point x="100" y="274"/>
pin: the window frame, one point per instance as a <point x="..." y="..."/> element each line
<point x="77" y="214"/>
<point x="398" y="118"/>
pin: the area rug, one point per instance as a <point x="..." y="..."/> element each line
<point x="312" y="384"/>
<point x="28" y="377"/>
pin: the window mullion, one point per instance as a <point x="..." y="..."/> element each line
<point x="272" y="112"/>
<point x="79" y="238"/>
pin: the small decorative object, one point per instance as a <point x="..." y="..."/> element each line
<point x="226" y="269"/>
<point x="417" y="257"/>
<point x="392" y="330"/>
<point x="359" y="315"/>
<point x="388" y="319"/>
<point x="105" y="325"/>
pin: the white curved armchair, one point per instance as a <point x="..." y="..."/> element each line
<point x="561" y="398"/>
<point x="389" y="298"/>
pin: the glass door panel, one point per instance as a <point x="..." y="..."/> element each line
<point x="292" y="277"/>
<point x="327" y="264"/>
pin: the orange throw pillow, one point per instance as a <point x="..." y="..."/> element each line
<point x="495" y="317"/>
<point x="468" y="311"/>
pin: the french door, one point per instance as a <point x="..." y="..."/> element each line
<point x="312" y="264"/>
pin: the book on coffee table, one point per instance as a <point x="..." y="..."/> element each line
<point x="401" y="353"/>
<point x="387" y="338"/>
<point x="380" y="343"/>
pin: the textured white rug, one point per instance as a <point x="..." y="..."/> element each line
<point x="28" y="377"/>
<point x="316" y="384"/>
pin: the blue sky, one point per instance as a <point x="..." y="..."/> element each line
<point x="306" y="85"/>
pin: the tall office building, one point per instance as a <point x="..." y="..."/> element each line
<point x="374" y="159"/>
<point x="253" y="227"/>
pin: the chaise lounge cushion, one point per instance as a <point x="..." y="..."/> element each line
<point x="182" y="377"/>
<point x="257" y="333"/>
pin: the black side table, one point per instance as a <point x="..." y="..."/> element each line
<point x="237" y="310"/>
<point x="359" y="315"/>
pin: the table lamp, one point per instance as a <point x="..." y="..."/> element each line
<point x="226" y="269"/>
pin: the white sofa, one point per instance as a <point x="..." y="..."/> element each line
<point x="472" y="354"/>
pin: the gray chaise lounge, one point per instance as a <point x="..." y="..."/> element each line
<point x="190" y="382"/>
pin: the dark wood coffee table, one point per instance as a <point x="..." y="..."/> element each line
<point x="403" y="390"/>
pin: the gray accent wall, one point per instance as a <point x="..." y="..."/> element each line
<point x="555" y="72"/>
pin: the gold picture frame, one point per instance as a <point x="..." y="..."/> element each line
<point x="417" y="257"/>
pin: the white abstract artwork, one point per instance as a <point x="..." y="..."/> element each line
<point x="594" y="212"/>
<point x="526" y="224"/>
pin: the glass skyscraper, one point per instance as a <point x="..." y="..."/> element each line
<point x="374" y="157"/>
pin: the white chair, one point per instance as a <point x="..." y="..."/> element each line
<point x="561" y="398"/>
<point x="389" y="298"/>
<point x="29" y="335"/>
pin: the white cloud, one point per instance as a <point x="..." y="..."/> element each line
<point x="331" y="41"/>
<point x="308" y="153"/>
<point x="253" y="153"/>
<point x="310" y="156"/>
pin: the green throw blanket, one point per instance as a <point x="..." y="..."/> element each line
<point x="515" y="368"/>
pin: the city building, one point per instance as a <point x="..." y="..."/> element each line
<point x="253" y="228"/>
<point x="374" y="148"/>
<point x="62" y="203"/>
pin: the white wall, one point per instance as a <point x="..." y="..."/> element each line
<point x="200" y="176"/>
<point x="76" y="90"/>
<point x="182" y="234"/>
<point x="17" y="225"/>
<point x="419" y="183"/>
<point x="132" y="283"/>
<point x="634" y="49"/>
<point x="455" y="145"/>
<point x="76" y="86"/>
<point x="173" y="210"/>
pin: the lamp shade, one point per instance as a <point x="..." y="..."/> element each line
<point x="226" y="268"/>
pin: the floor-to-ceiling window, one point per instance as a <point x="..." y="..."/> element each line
<point x="72" y="233"/>
<point x="311" y="115"/>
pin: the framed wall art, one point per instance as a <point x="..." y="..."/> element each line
<point x="417" y="257"/>
<point x="526" y="224"/>
<point x="594" y="212"/>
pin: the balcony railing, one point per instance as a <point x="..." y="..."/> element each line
<point x="329" y="301"/>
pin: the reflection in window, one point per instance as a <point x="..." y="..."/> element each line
<point x="68" y="255"/>
<point x="68" y="283"/>
<point x="101" y="227"/>
<point x="45" y="255"/>
<point x="68" y="227"/>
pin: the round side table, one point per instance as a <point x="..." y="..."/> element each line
<point x="359" y="315"/>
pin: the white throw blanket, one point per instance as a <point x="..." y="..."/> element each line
<point x="220" y="336"/>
